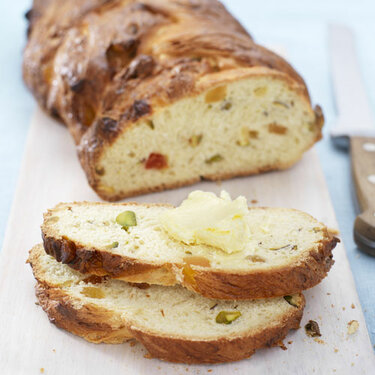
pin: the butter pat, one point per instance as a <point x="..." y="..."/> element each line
<point x="204" y="218"/>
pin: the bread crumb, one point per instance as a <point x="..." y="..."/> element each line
<point x="147" y="356"/>
<point x="312" y="329"/>
<point x="332" y="305"/>
<point x="352" y="306"/>
<point x="334" y="231"/>
<point x="132" y="343"/>
<point x="353" y="326"/>
<point x="209" y="370"/>
<point x="335" y="350"/>
<point x="253" y="201"/>
<point x="42" y="370"/>
<point x="54" y="350"/>
<point x="319" y="341"/>
<point x="328" y="293"/>
<point x="282" y="346"/>
<point x="37" y="303"/>
<point x="290" y="342"/>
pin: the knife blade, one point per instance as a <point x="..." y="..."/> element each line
<point x="355" y="129"/>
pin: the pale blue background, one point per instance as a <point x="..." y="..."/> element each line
<point x="299" y="25"/>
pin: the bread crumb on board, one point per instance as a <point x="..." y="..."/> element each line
<point x="319" y="341"/>
<point x="335" y="350"/>
<point x="42" y="370"/>
<point x="352" y="306"/>
<point x="353" y="326"/>
<point x="334" y="231"/>
<point x="312" y="329"/>
<point x="282" y="345"/>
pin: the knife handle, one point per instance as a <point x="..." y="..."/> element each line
<point x="363" y="169"/>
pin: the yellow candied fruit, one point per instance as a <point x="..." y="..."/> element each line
<point x="197" y="261"/>
<point x="216" y="94"/>
<point x="195" y="140"/>
<point x="92" y="292"/>
<point x="260" y="91"/>
<point x="189" y="274"/>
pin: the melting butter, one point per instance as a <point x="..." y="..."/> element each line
<point x="204" y="218"/>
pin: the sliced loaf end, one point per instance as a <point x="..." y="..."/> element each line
<point x="236" y="123"/>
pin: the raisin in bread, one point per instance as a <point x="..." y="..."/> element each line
<point x="163" y="93"/>
<point x="288" y="250"/>
<point x="173" y="323"/>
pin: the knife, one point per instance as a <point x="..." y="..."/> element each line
<point x="355" y="130"/>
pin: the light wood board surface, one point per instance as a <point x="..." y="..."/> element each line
<point x="51" y="173"/>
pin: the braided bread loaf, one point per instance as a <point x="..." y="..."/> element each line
<point x="163" y="93"/>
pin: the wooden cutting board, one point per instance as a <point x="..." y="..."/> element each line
<point x="29" y="342"/>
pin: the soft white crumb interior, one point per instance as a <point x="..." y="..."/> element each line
<point x="237" y="134"/>
<point x="277" y="235"/>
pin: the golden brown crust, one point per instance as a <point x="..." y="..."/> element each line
<point x="211" y="283"/>
<point x="80" y="49"/>
<point x="88" y="321"/>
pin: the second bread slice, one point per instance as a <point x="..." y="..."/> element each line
<point x="288" y="250"/>
<point x="173" y="323"/>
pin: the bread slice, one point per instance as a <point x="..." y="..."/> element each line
<point x="288" y="250"/>
<point x="236" y="123"/>
<point x="162" y="93"/>
<point x="173" y="323"/>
